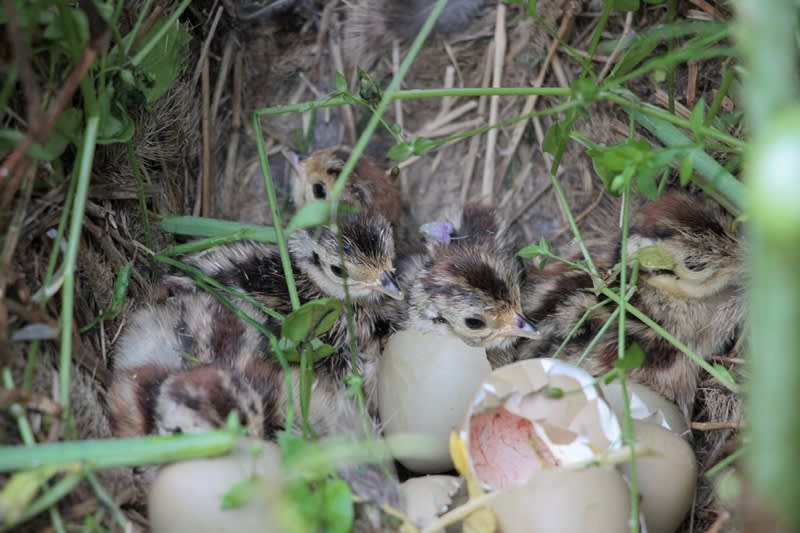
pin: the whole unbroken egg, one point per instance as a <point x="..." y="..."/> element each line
<point x="425" y="384"/>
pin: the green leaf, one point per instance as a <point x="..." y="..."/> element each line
<point x="541" y="250"/>
<point x="337" y="506"/>
<point x="531" y="10"/>
<point x="312" y="214"/>
<point x="554" y="392"/>
<point x="554" y="138"/>
<point x="311" y="319"/>
<point x="654" y="258"/>
<point x="421" y="145"/>
<point x="584" y="90"/>
<point x="340" y="83"/>
<point x="212" y="227"/>
<point x="724" y="372"/>
<point x="161" y="66"/>
<point x="625" y="5"/>
<point x="535" y="250"/>
<point x="698" y="117"/>
<point x="65" y="131"/>
<point x="321" y="352"/>
<point x="634" y="357"/>
<point x="400" y="152"/>
<point x="20" y="490"/>
<point x="240" y="493"/>
<point x="367" y="88"/>
<point x="686" y="168"/>
<point x="646" y="182"/>
<point x="115" y="123"/>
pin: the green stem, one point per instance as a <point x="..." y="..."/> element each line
<point x="107" y="453"/>
<point x="577" y="326"/>
<point x="68" y="290"/>
<point x="562" y="200"/>
<point x="148" y="237"/>
<point x="714" y="174"/>
<point x="108" y="501"/>
<point x="277" y="224"/>
<point x="669" y="117"/>
<point x="673" y="341"/>
<point x="627" y="424"/>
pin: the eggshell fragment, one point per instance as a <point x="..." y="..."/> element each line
<point x="534" y="415"/>
<point x="427" y="497"/>
<point x="187" y="496"/>
<point x="591" y="500"/>
<point x="425" y="384"/>
<point x="646" y="405"/>
<point x="666" y="480"/>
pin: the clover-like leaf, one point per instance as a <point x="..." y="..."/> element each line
<point x="654" y="258"/>
<point x="634" y="357"/>
<point x="312" y="214"/>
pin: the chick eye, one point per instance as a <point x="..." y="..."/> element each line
<point x="474" y="323"/>
<point x="694" y="265"/>
<point x="337" y="271"/>
<point x="333" y="171"/>
<point x="318" y="190"/>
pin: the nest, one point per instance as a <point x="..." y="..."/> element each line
<point x="293" y="56"/>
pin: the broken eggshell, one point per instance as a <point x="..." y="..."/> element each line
<point x="666" y="479"/>
<point x="427" y="497"/>
<point x="424" y="386"/>
<point x="534" y="415"/>
<point x="646" y="405"/>
<point x="595" y="499"/>
<point x="186" y="497"/>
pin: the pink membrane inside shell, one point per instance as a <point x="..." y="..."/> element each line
<point x="505" y="449"/>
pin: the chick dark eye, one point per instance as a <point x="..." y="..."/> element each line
<point x="334" y="172"/>
<point x="337" y="271"/>
<point x="474" y="323"/>
<point x="318" y="190"/>
<point x="440" y="320"/>
<point x="694" y="265"/>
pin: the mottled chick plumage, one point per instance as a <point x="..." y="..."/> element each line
<point x="699" y="301"/>
<point x="368" y="186"/>
<point x="468" y="285"/>
<point x="255" y="268"/>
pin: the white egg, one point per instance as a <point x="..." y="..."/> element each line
<point x="666" y="480"/>
<point x="425" y="385"/>
<point x="186" y="497"/>
<point x="591" y="500"/>
<point x="427" y="497"/>
<point x="646" y="405"/>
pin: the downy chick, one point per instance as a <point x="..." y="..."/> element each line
<point x="468" y="283"/>
<point x="185" y="365"/>
<point x="368" y="187"/>
<point x="368" y="252"/>
<point x="699" y="301"/>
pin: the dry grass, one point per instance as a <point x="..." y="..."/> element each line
<point x="293" y="58"/>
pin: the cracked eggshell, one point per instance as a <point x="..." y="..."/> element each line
<point x="666" y="480"/>
<point x="186" y="497"/>
<point x="424" y="386"/>
<point x="592" y="500"/>
<point x="534" y="415"/>
<point x="427" y="497"/>
<point x="646" y="405"/>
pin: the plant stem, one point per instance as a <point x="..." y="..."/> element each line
<point x="84" y="170"/>
<point x="627" y="424"/>
<point x="48" y="499"/>
<point x="168" y="25"/>
<point x="673" y="341"/>
<point x="107" y="453"/>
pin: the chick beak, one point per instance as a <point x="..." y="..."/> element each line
<point x="387" y="284"/>
<point x="520" y="327"/>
